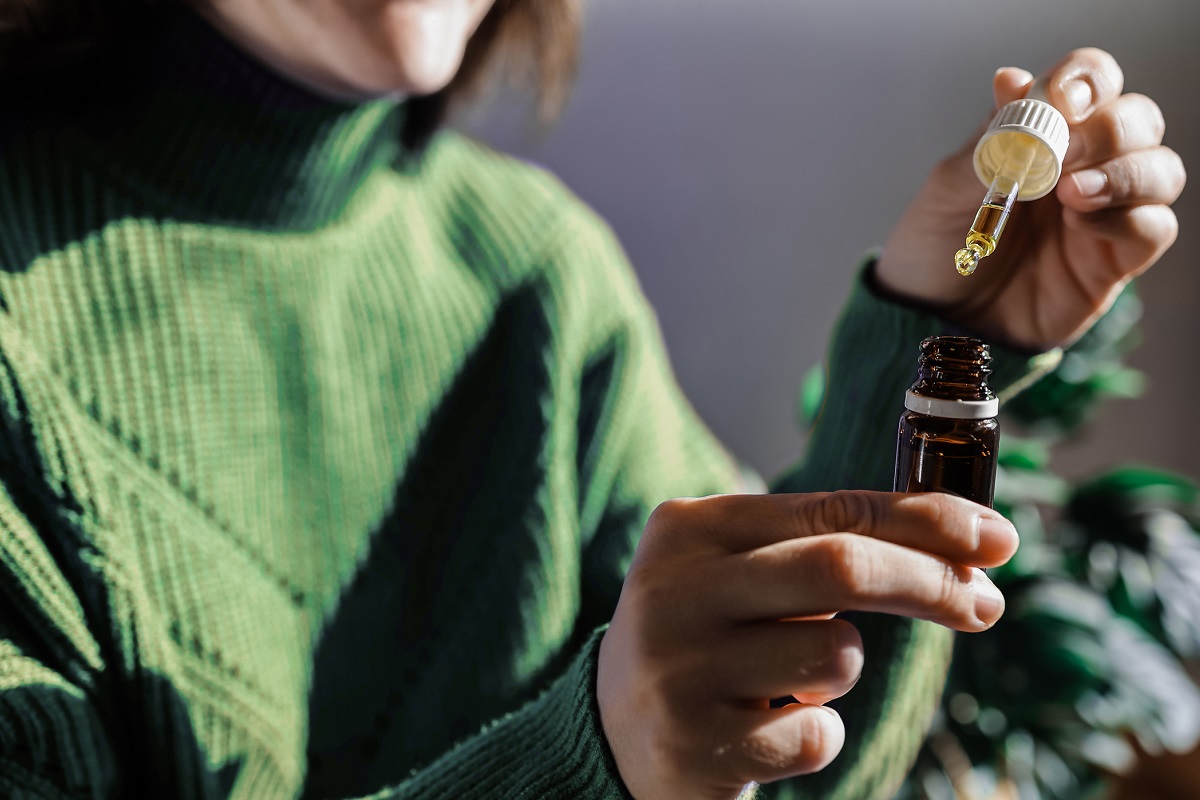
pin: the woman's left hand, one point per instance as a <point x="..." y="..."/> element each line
<point x="1064" y="258"/>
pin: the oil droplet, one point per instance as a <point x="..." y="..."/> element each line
<point x="966" y="260"/>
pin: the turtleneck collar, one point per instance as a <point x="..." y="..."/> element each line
<point x="212" y="133"/>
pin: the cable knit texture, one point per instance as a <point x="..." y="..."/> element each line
<point x="321" y="462"/>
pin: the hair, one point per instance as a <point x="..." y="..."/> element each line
<point x="534" y="43"/>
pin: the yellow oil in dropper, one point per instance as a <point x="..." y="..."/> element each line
<point x="981" y="239"/>
<point x="1020" y="151"/>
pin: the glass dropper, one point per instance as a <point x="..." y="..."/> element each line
<point x="1018" y="157"/>
<point x="997" y="203"/>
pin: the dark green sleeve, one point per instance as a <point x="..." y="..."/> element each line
<point x="871" y="362"/>
<point x="552" y="747"/>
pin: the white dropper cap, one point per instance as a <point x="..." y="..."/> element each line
<point x="1032" y="116"/>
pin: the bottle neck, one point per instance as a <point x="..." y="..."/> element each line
<point x="952" y="379"/>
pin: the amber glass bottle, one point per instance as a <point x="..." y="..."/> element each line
<point x="948" y="432"/>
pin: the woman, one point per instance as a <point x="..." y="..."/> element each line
<point x="328" y="438"/>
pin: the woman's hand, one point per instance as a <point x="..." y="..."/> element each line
<point x="1063" y="259"/>
<point x="729" y="603"/>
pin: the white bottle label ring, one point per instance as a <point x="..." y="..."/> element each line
<point x="951" y="409"/>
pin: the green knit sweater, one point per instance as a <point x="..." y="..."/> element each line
<point x="321" y="463"/>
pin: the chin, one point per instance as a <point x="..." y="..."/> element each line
<point x="418" y="46"/>
<point x="415" y="71"/>
<point x="425" y="81"/>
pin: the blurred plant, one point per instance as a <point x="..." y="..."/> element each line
<point x="1103" y="618"/>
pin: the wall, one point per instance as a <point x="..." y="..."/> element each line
<point x="748" y="153"/>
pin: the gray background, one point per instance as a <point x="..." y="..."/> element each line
<point x="748" y="152"/>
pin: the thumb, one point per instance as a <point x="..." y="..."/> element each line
<point x="1010" y="83"/>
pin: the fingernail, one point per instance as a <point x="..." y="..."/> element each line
<point x="1090" y="182"/>
<point x="989" y="603"/>
<point x="1025" y="75"/>
<point x="996" y="534"/>
<point x="1079" y="95"/>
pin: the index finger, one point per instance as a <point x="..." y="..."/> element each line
<point x="1082" y="81"/>
<point x="953" y="527"/>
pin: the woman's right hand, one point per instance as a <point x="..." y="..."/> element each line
<point x="729" y="603"/>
